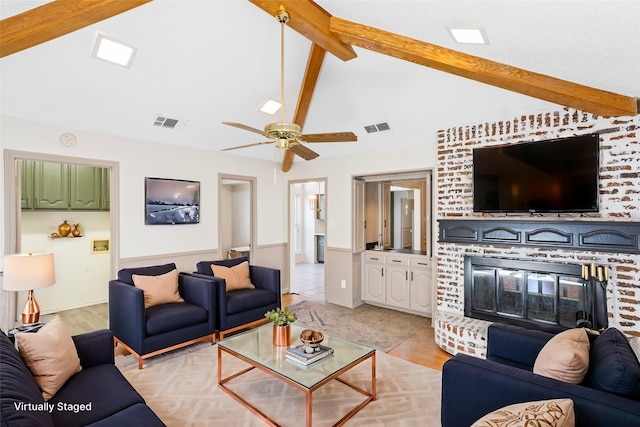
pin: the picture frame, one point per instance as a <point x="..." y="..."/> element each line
<point x="171" y="201"/>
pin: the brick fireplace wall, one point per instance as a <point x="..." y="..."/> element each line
<point x="619" y="201"/>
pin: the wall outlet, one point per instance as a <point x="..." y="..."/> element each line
<point x="343" y="284"/>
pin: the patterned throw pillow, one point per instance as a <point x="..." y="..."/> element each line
<point x="548" y="413"/>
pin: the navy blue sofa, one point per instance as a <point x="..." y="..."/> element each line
<point x="114" y="402"/>
<point x="473" y="387"/>
<point x="242" y="306"/>
<point x="152" y="331"/>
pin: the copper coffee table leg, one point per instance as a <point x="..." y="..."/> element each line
<point x="309" y="407"/>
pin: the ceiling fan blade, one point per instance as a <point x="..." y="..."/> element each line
<point x="312" y="21"/>
<point x="247" y="145"/>
<point x="330" y="137"/>
<point x="245" y="127"/>
<point x="526" y="82"/>
<point x="303" y="151"/>
<point x="287" y="160"/>
<point x="55" y="19"/>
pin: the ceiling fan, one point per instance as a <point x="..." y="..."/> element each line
<point x="288" y="135"/>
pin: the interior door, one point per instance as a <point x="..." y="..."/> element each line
<point x="237" y="216"/>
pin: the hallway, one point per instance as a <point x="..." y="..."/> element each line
<point x="308" y="281"/>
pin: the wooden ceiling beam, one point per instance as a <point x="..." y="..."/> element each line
<point x="55" y="19"/>
<point x="311" y="74"/>
<point x="518" y="80"/>
<point x="310" y="20"/>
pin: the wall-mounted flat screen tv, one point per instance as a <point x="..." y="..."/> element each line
<point x="559" y="175"/>
<point x="172" y="201"/>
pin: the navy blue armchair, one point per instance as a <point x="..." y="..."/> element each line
<point x="242" y="308"/>
<point x="147" y="332"/>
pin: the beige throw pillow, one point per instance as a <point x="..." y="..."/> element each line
<point x="160" y="289"/>
<point x="551" y="413"/>
<point x="565" y="357"/>
<point x="236" y="277"/>
<point x="50" y="355"/>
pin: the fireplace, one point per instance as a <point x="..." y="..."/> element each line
<point x="538" y="295"/>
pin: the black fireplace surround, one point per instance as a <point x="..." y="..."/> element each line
<point x="532" y="294"/>
<point x="537" y="295"/>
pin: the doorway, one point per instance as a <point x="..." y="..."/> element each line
<point x="307" y="237"/>
<point x="26" y="232"/>
<point x="236" y="209"/>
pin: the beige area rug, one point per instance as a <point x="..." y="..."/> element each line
<point x="373" y="326"/>
<point x="181" y="388"/>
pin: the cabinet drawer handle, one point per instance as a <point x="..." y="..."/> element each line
<point x="396" y="260"/>
<point x="422" y="263"/>
<point x="374" y="259"/>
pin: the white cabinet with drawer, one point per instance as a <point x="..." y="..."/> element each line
<point x="397" y="280"/>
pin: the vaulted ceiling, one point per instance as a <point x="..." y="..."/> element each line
<point x="206" y="62"/>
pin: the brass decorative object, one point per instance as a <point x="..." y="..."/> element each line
<point x="76" y="231"/>
<point x="64" y="229"/>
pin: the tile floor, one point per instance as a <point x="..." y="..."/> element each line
<point x="308" y="281"/>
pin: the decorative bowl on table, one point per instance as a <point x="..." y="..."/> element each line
<point x="311" y="339"/>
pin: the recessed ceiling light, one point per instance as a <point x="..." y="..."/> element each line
<point x="112" y="50"/>
<point x="468" y="35"/>
<point x="270" y="106"/>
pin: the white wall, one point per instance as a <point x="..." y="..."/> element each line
<point x="138" y="159"/>
<point x="81" y="276"/>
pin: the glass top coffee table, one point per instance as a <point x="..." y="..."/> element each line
<point x="256" y="348"/>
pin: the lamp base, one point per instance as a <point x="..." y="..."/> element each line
<point x="31" y="312"/>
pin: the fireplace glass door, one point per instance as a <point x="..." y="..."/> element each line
<point x="520" y="292"/>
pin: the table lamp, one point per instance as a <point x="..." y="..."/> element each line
<point x="26" y="272"/>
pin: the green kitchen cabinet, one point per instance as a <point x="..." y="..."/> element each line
<point x="85" y="184"/>
<point x="58" y="186"/>
<point x="51" y="185"/>
<point x="27" y="198"/>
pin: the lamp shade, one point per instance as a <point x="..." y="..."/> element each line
<point x="23" y="272"/>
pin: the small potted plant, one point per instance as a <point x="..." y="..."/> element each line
<point x="282" y="319"/>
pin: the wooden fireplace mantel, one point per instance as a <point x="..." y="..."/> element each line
<point x="594" y="236"/>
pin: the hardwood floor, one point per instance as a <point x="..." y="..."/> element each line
<point x="419" y="348"/>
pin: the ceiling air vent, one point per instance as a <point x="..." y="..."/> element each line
<point x="377" y="128"/>
<point x="165" y="122"/>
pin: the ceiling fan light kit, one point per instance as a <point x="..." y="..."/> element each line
<point x="283" y="133"/>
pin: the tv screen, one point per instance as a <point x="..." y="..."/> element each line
<point x="172" y="201"/>
<point x="559" y="175"/>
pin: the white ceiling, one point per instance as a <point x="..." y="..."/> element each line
<point x="205" y="62"/>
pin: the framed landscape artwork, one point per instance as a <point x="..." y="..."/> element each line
<point x="171" y="201"/>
